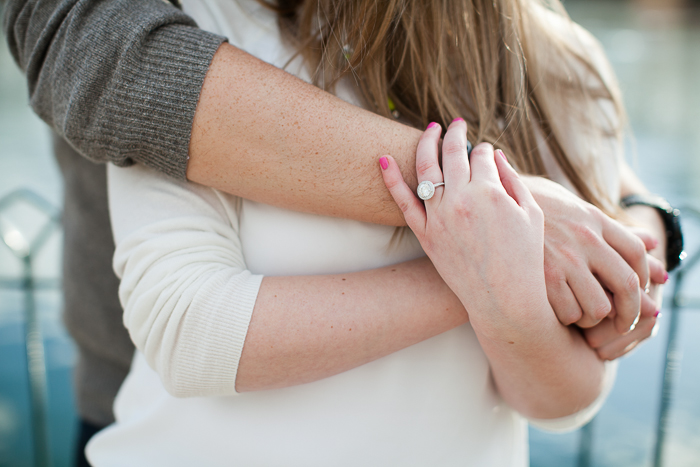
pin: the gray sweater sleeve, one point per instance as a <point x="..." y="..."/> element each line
<point x="118" y="79"/>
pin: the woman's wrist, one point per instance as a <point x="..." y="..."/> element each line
<point x="547" y="375"/>
<point x="524" y="322"/>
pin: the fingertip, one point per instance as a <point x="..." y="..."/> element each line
<point x="657" y="270"/>
<point x="650" y="242"/>
<point x="458" y="121"/>
<point x="384" y="162"/>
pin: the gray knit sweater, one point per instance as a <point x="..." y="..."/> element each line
<point x="119" y="81"/>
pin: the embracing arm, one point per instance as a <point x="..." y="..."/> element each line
<point x="192" y="325"/>
<point x="134" y="98"/>
<point x="313" y="153"/>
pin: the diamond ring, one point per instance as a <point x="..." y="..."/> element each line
<point x="426" y="189"/>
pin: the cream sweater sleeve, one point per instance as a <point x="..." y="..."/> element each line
<point x="186" y="293"/>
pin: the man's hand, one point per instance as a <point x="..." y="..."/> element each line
<point x="593" y="264"/>
<point x="603" y="337"/>
<point x="609" y="344"/>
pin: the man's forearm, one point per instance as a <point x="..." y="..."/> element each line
<point x="262" y="134"/>
<point x="643" y="216"/>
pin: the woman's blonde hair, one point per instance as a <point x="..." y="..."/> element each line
<point x="510" y="68"/>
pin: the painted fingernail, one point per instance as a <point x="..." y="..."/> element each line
<point x="655" y="242"/>
<point x="502" y="155"/>
<point x="432" y="125"/>
<point x="384" y="162"/>
<point x="665" y="277"/>
<point x="657" y="314"/>
<point x="458" y="120"/>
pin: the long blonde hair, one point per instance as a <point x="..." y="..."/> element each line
<point x="502" y="65"/>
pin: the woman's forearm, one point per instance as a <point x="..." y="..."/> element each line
<point x="306" y="328"/>
<point x="263" y="134"/>
<point x="544" y="369"/>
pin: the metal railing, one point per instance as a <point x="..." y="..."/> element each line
<point x="672" y="362"/>
<point x="25" y="250"/>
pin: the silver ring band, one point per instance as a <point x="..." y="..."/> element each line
<point x="426" y="189"/>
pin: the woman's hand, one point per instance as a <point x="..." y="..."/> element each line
<point x="484" y="233"/>
<point x="482" y="230"/>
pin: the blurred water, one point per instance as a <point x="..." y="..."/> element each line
<point x="657" y="58"/>
<point x="26" y="162"/>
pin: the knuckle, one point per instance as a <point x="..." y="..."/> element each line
<point x="483" y="149"/>
<point x="594" y="213"/>
<point x="454" y="147"/>
<point x="587" y="235"/>
<point x="404" y="206"/>
<point x="391" y="183"/>
<point x="573" y="258"/>
<point x="554" y="277"/>
<point x="491" y="191"/>
<point x="570" y="316"/>
<point x="463" y="209"/>
<point x="424" y="166"/>
<point x="638" y="249"/>
<point x="601" y="310"/>
<point x="631" y="284"/>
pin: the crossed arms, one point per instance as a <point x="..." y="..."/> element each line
<point x="286" y="162"/>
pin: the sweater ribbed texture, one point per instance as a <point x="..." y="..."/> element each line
<point x="212" y="340"/>
<point x="119" y="80"/>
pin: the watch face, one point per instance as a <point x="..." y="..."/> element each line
<point x="674" y="246"/>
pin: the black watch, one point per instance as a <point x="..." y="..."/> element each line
<point x="672" y="222"/>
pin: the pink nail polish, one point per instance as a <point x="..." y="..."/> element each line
<point x="665" y="277"/>
<point x="656" y="315"/>
<point x="432" y="125"/>
<point x="502" y="155"/>
<point x="384" y="163"/>
<point x="458" y="120"/>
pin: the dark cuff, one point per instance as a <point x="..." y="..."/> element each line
<point x="149" y="117"/>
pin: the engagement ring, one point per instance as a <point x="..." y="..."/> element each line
<point x="426" y="189"/>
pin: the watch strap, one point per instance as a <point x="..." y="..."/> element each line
<point x="672" y="222"/>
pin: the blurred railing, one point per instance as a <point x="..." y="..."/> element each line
<point x="672" y="361"/>
<point x="25" y="250"/>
